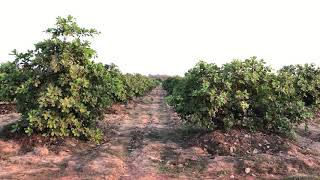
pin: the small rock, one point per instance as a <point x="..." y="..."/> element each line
<point x="246" y="136"/>
<point x="63" y="153"/>
<point x="154" y="158"/>
<point x="268" y="147"/>
<point x="180" y="165"/>
<point x="41" y="151"/>
<point x="247" y="170"/>
<point x="232" y="149"/>
<point x="71" y="165"/>
<point x="194" y="158"/>
<point x="255" y="151"/>
<point x="259" y="144"/>
<point x="232" y="177"/>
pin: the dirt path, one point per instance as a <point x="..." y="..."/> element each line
<point x="145" y="139"/>
<point x="154" y="147"/>
<point x="143" y="142"/>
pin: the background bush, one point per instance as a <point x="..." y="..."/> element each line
<point x="306" y="82"/>
<point x="10" y="79"/>
<point x="170" y="83"/>
<point x="138" y="85"/>
<point x="245" y="94"/>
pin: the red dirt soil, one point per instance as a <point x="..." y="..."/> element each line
<point x="7" y="108"/>
<point x="145" y="139"/>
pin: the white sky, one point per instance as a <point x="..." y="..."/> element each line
<point x="170" y="36"/>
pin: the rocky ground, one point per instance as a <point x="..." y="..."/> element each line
<point x="145" y="139"/>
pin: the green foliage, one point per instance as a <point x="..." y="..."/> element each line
<point x="245" y="94"/>
<point x="306" y="82"/>
<point x="10" y="78"/>
<point x="66" y="92"/>
<point x="170" y="83"/>
<point x="126" y="86"/>
<point x="138" y="85"/>
<point x="118" y="89"/>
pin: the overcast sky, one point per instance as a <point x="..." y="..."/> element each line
<point x="170" y="36"/>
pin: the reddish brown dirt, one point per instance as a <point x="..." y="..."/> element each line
<point x="7" y="108"/>
<point x="145" y="139"/>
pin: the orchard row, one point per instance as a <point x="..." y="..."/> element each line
<point x="246" y="94"/>
<point x="59" y="90"/>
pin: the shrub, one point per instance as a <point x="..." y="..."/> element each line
<point x="246" y="94"/>
<point x="66" y="91"/>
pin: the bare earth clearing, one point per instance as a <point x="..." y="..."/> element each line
<point x="145" y="139"/>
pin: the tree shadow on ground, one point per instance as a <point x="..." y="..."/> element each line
<point x="180" y="136"/>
